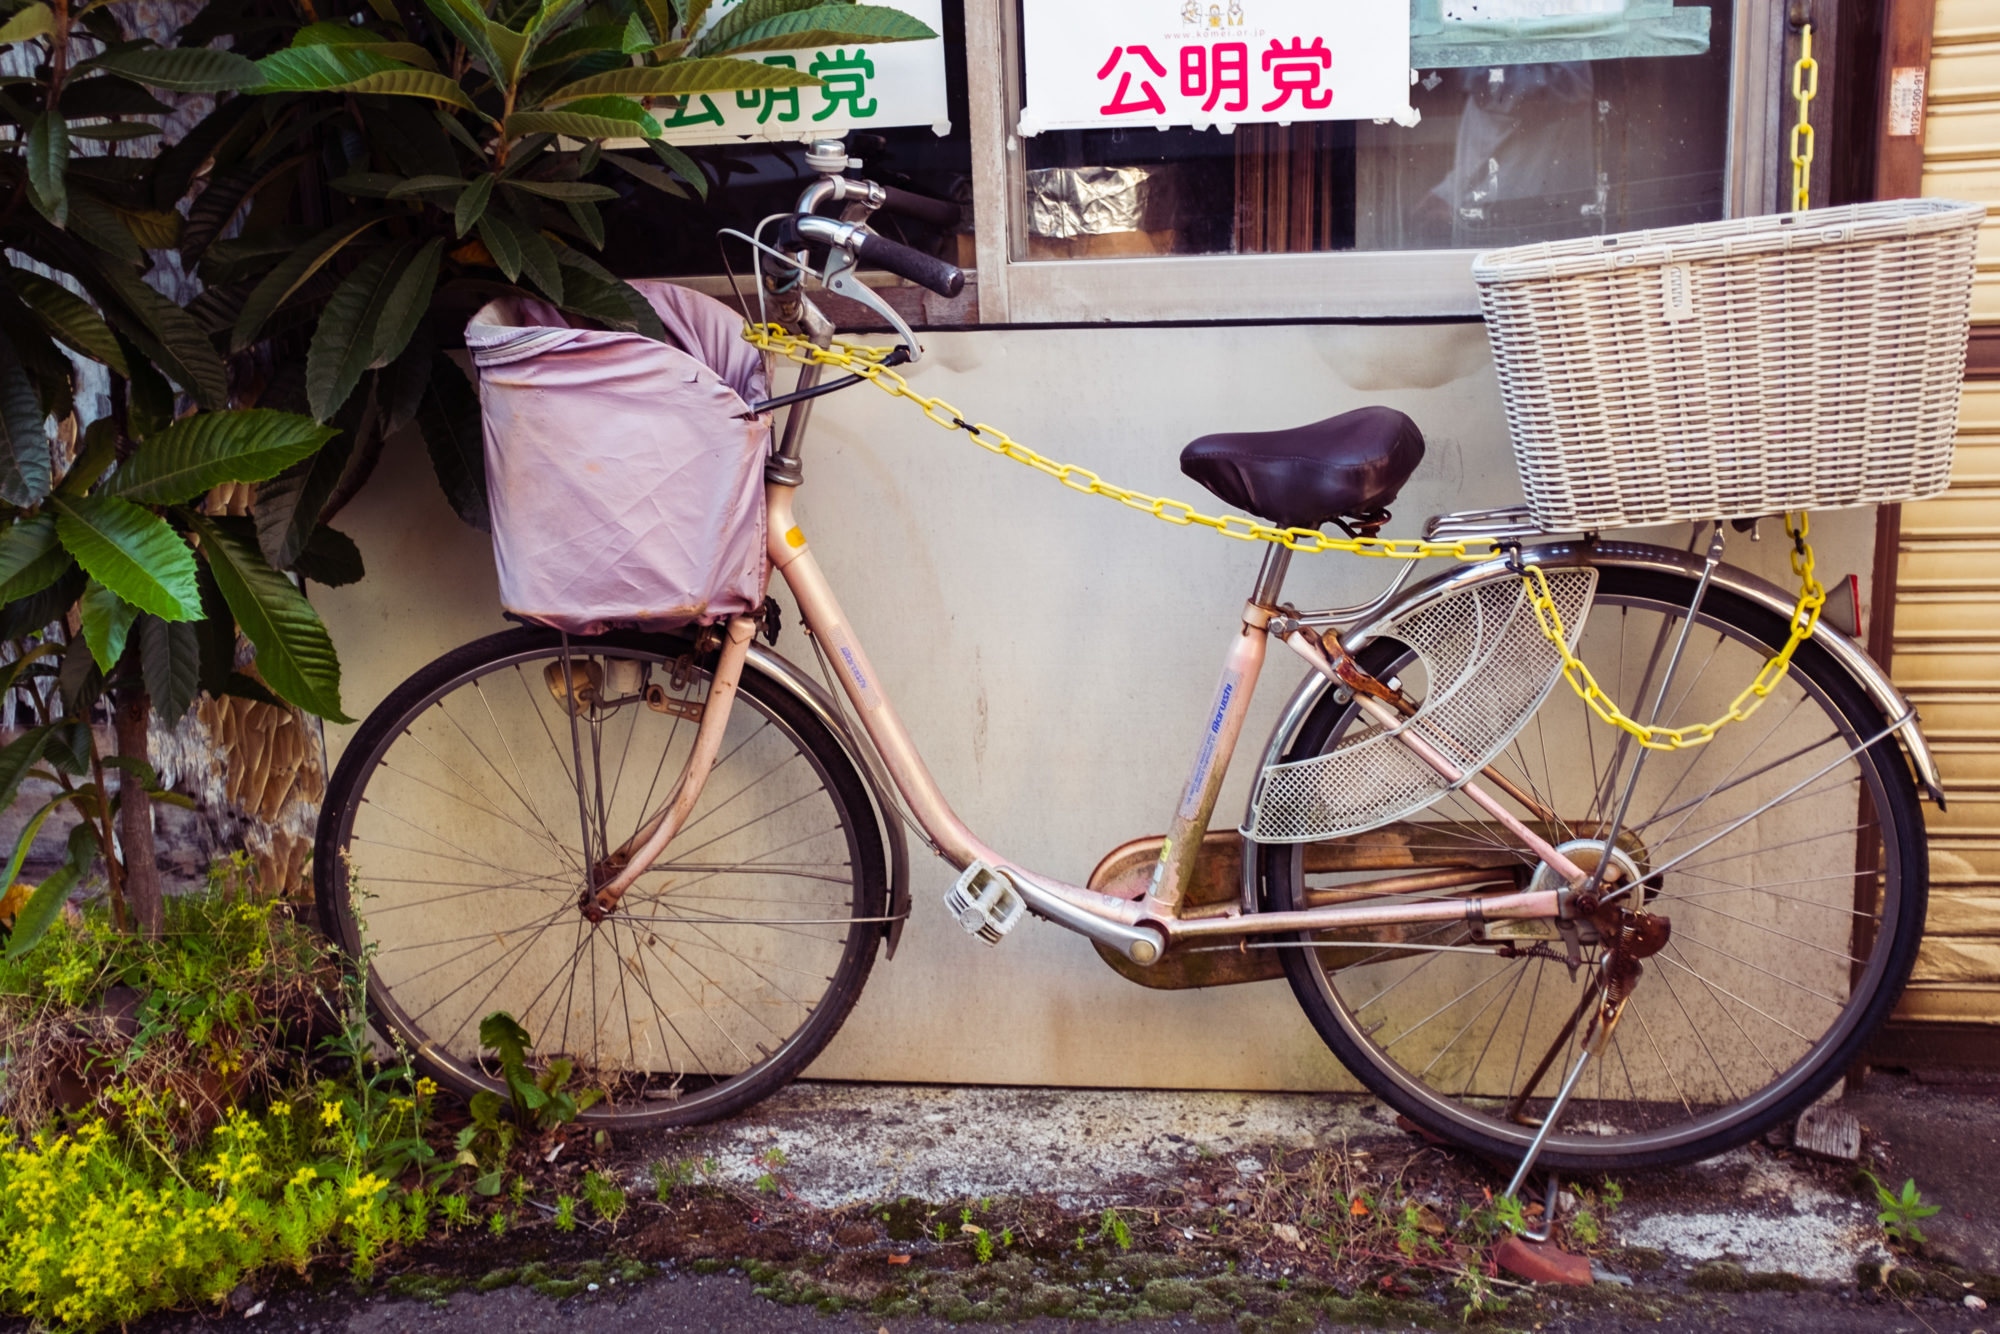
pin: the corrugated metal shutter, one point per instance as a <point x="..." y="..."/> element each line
<point x="1947" y="628"/>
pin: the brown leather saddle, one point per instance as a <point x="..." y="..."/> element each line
<point x="1345" y="470"/>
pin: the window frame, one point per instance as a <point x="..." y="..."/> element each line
<point x="1380" y="284"/>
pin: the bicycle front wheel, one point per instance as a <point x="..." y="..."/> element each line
<point x="1788" y="854"/>
<point x="451" y="862"/>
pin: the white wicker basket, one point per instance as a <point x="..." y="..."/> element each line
<point x="1726" y="369"/>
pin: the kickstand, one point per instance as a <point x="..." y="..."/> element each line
<point x="1548" y="1208"/>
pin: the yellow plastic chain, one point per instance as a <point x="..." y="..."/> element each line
<point x="1805" y="619"/>
<point x="866" y="362"/>
<point x="1805" y="87"/>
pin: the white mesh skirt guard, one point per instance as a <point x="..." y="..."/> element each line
<point x="1489" y="667"/>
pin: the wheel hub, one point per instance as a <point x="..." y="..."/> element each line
<point x="1587" y="853"/>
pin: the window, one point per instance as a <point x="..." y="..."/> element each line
<point x="653" y="234"/>
<point x="1538" y="120"/>
<point x="1533" y="149"/>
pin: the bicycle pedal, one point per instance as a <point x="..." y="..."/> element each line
<point x="985" y="902"/>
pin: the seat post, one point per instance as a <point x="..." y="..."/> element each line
<point x="1271" y="576"/>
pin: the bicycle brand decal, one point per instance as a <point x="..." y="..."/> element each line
<point x="1210" y="740"/>
<point x="850" y="661"/>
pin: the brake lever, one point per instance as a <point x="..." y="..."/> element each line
<point x="841" y="279"/>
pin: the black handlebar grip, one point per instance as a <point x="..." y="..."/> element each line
<point x="937" y="212"/>
<point x="925" y="270"/>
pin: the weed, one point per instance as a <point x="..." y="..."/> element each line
<point x="287" y="1188"/>
<point x="1115" y="1227"/>
<point x="670" y="1176"/>
<point x="1482" y="1301"/>
<point x="497" y="1224"/>
<point x="605" y="1197"/>
<point x="1612" y="1194"/>
<point x="1900" y="1213"/>
<point x="456" y="1209"/>
<point x="1583" y="1226"/>
<point x="534" y="1102"/>
<point x="1415" y="1225"/>
<point x="1509" y="1213"/>
<point x="565" y="1213"/>
<point x="941" y="1233"/>
<point x="982" y="1246"/>
<point x="188" y="1021"/>
<point x="770" y="1160"/>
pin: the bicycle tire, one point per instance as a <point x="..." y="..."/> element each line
<point x="649" y="1081"/>
<point x="1357" y="1020"/>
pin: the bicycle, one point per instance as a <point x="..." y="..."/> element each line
<point x="674" y="857"/>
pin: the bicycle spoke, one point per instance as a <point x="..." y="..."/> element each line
<point x="1736" y="842"/>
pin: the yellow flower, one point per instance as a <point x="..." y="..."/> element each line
<point x="281" y="1108"/>
<point x="304" y="1175"/>
<point x="427" y="1086"/>
<point x="329" y="1113"/>
<point x="366" y="1184"/>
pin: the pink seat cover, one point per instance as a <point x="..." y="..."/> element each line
<point x="625" y="475"/>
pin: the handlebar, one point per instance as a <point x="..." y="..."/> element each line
<point x="937" y="212"/>
<point x="925" y="270"/>
<point x="945" y="279"/>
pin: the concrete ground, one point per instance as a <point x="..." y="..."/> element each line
<point x="1769" y="1211"/>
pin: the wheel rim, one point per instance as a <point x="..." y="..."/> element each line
<point x="466" y="863"/>
<point x="1783" y="927"/>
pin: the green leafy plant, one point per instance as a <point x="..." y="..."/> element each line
<point x="383" y="170"/>
<point x="1584" y="1227"/>
<point x="565" y="1213"/>
<point x="124" y="1213"/>
<point x="534" y="1103"/>
<point x="121" y="592"/>
<point x="605" y="1196"/>
<point x="669" y="1176"/>
<point x="404" y="164"/>
<point x="1901" y="1212"/>
<point x="1482" y="1298"/>
<point x="1114" y="1226"/>
<point x="187" y="1021"/>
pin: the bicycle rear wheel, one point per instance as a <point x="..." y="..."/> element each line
<point x="1792" y="864"/>
<point x="450" y="860"/>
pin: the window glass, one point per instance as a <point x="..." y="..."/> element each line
<point x="1539" y="119"/>
<point x="652" y="234"/>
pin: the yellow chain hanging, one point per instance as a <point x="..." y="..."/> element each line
<point x="866" y="362"/>
<point x="1805" y="87"/>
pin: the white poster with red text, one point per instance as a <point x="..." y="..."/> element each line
<point x="1102" y="64"/>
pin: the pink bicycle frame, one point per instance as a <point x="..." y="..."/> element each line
<point x="1143" y="929"/>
